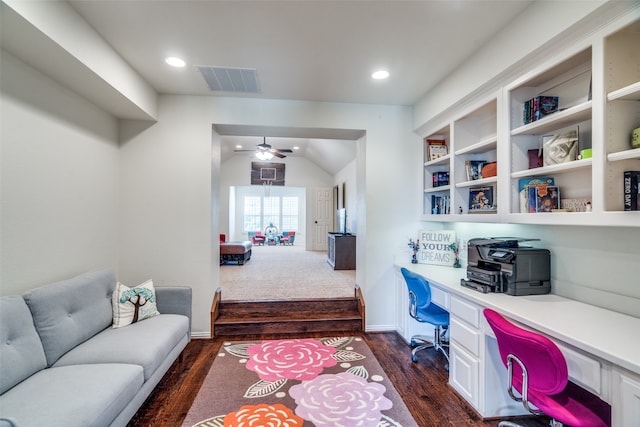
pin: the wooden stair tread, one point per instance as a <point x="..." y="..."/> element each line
<point x="287" y="316"/>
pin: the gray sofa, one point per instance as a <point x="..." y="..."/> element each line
<point x="62" y="364"/>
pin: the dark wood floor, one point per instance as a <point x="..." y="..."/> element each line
<point x="423" y="385"/>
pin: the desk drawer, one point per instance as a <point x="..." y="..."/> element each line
<point x="440" y="297"/>
<point x="583" y="370"/>
<point x="466" y="311"/>
<point x="464" y="335"/>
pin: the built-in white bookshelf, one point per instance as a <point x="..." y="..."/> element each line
<point x="597" y="82"/>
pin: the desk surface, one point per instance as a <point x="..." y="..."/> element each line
<point x="609" y="335"/>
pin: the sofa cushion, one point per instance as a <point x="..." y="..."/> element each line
<point x="131" y="305"/>
<point x="70" y="312"/>
<point x="144" y="343"/>
<point x="21" y="352"/>
<point x="81" y="395"/>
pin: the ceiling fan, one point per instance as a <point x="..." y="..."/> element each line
<point x="264" y="151"/>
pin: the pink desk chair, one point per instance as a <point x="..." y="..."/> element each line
<point x="538" y="376"/>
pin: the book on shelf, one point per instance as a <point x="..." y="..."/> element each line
<point x="544" y="198"/>
<point x="631" y="189"/>
<point x="440" y="179"/>
<point x="481" y="200"/>
<point x="440" y="204"/>
<point x="474" y="169"/>
<point x="523" y="189"/>
<point x="538" y="107"/>
<point x="436" y="148"/>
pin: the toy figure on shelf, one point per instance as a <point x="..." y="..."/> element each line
<point x="414" y="245"/>
<point x="454" y="247"/>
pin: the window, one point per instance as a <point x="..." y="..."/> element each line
<point x="271" y="211"/>
<point x="260" y="211"/>
<point x="252" y="214"/>
<point x="289" y="213"/>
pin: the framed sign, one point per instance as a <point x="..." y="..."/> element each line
<point x="435" y="247"/>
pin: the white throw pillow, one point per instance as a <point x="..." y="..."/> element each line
<point x="132" y="305"/>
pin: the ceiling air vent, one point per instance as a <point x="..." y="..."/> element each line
<point x="221" y="79"/>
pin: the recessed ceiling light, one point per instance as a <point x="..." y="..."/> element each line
<point x="238" y="146"/>
<point x="380" y="75"/>
<point x="296" y="148"/>
<point x="175" y="62"/>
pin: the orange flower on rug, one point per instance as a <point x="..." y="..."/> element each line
<point x="325" y="382"/>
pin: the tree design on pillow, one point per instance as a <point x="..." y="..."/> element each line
<point x="138" y="297"/>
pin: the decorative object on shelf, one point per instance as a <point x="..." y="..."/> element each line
<point x="456" y="249"/>
<point x="474" y="169"/>
<point x="635" y="138"/>
<point x="481" y="200"/>
<point x="535" y="158"/>
<point x="560" y="148"/>
<point x="435" y="247"/>
<point x="575" y="205"/>
<point x="587" y="153"/>
<point x="489" y="170"/>
<point x="436" y="148"/>
<point x="631" y="189"/>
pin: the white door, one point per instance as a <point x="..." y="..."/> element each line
<point x="323" y="218"/>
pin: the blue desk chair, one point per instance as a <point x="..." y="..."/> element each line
<point x="423" y="310"/>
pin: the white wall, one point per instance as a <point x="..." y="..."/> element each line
<point x="168" y="217"/>
<point x="347" y="176"/>
<point x="59" y="181"/>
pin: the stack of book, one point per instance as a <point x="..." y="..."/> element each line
<point x="440" y="179"/>
<point x="538" y="107"/>
<point x="631" y="190"/>
<point x="440" y="205"/>
<point x="538" y="195"/>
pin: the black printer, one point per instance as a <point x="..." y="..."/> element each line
<point x="501" y="264"/>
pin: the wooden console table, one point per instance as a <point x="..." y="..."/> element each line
<point x="341" y="253"/>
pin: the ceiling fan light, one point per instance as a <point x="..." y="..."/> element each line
<point x="264" y="155"/>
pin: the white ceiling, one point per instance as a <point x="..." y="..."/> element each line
<point x="315" y="50"/>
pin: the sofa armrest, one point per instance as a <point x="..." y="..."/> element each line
<point x="174" y="300"/>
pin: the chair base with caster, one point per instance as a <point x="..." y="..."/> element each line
<point x="439" y="343"/>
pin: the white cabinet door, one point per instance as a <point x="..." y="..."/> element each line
<point x="463" y="374"/>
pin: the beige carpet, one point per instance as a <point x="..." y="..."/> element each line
<point x="276" y="272"/>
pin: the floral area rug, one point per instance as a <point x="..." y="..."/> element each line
<point x="332" y="382"/>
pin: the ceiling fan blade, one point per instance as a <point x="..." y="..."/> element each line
<point x="283" y="150"/>
<point x="277" y="154"/>
<point x="243" y="151"/>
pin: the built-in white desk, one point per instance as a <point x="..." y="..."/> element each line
<point x="602" y="347"/>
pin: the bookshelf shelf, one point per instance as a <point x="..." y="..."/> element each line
<point x="575" y="114"/>
<point x="627" y="93"/>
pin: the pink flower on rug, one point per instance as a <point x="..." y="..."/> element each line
<point x="340" y="400"/>
<point x="294" y="359"/>
<point x="262" y="415"/>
